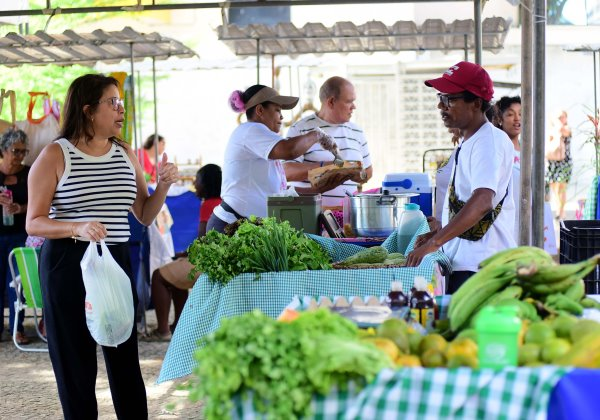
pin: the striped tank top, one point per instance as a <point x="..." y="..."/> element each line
<point x="96" y="188"/>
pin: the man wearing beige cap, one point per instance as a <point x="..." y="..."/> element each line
<point x="337" y="105"/>
<point x="479" y="212"/>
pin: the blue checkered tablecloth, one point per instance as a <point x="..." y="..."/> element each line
<point x="208" y="303"/>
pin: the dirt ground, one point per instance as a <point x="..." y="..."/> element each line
<point x="28" y="388"/>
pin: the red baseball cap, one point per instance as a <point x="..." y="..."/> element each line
<point x="465" y="76"/>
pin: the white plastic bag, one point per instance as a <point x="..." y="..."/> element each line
<point x="109" y="308"/>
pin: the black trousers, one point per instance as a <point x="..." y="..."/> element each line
<point x="72" y="348"/>
<point x="457" y="278"/>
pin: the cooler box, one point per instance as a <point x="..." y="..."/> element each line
<point x="302" y="212"/>
<point x="417" y="183"/>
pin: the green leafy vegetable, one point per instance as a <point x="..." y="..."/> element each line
<point x="283" y="364"/>
<point x="255" y="248"/>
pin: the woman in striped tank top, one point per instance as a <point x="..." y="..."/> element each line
<point x="81" y="189"/>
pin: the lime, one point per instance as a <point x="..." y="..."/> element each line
<point x="468" y="333"/>
<point x="582" y="328"/>
<point x="386" y="345"/>
<point x="414" y="340"/>
<point x="395" y="329"/>
<point x="408" y="360"/>
<point x="563" y="324"/>
<point x="433" y="358"/>
<point x="433" y="342"/>
<point x="459" y="360"/>
<point x="554" y="348"/>
<point x="461" y="346"/>
<point x="539" y="332"/>
<point x="529" y="353"/>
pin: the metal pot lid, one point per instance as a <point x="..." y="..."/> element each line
<point x="382" y="199"/>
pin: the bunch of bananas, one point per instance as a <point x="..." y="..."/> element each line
<point x="525" y="277"/>
<point x="495" y="274"/>
<point x="548" y="279"/>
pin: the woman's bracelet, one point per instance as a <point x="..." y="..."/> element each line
<point x="73" y="236"/>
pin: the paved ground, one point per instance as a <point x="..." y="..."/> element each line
<point x="28" y="388"/>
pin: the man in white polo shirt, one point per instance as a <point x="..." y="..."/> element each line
<point x="479" y="213"/>
<point x="337" y="98"/>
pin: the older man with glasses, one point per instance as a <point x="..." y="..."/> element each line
<point x="479" y="213"/>
<point x="13" y="199"/>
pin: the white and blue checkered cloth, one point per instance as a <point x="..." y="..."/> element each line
<point x="208" y="303"/>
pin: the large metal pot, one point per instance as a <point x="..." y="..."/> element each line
<point x="376" y="215"/>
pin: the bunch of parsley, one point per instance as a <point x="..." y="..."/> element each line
<point x="282" y="364"/>
<point x="255" y="248"/>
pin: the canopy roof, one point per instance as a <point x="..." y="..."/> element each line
<point x="70" y="47"/>
<point x="346" y="37"/>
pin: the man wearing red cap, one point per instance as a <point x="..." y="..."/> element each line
<point x="479" y="212"/>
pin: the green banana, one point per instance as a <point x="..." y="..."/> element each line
<point x="512" y="254"/>
<point x="576" y="291"/>
<point x="560" y="301"/>
<point x="551" y="288"/>
<point x="555" y="273"/>
<point x="468" y="301"/>
<point x="511" y="292"/>
<point x="588" y="302"/>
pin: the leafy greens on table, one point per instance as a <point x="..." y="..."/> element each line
<point x="255" y="248"/>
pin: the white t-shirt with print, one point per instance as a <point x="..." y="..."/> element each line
<point x="249" y="176"/>
<point x="351" y="143"/>
<point x="485" y="160"/>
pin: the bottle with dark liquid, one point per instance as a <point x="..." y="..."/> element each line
<point x="422" y="305"/>
<point x="396" y="298"/>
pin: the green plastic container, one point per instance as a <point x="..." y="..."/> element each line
<point x="498" y="336"/>
<point x="302" y="212"/>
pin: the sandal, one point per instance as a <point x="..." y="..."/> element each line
<point x="22" y="339"/>
<point x="156" y="335"/>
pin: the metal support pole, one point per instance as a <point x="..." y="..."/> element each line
<point x="155" y="118"/>
<point x="258" y="61"/>
<point x="595" y="85"/>
<point x="466" y="39"/>
<point x="135" y="142"/>
<point x="524" y="205"/>
<point x="133" y="119"/>
<point x="273" y="71"/>
<point x="539" y="84"/>
<point x="478" y="31"/>
<point x="139" y="110"/>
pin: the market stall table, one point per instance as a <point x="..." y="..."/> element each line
<point x="208" y="303"/>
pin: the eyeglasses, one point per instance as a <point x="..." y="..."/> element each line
<point x="23" y="152"/>
<point x="446" y="100"/>
<point x="115" y="102"/>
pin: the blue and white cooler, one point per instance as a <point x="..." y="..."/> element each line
<point x="409" y="182"/>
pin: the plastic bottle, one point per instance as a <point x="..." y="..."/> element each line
<point x="410" y="220"/>
<point x="497" y="336"/>
<point x="422" y="304"/>
<point x="7" y="219"/>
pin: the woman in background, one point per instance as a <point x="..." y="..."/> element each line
<point x="171" y="281"/>
<point x="149" y="156"/>
<point x="13" y="177"/>
<point x="507" y="117"/>
<point x="81" y="189"/>
<point x="559" y="172"/>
